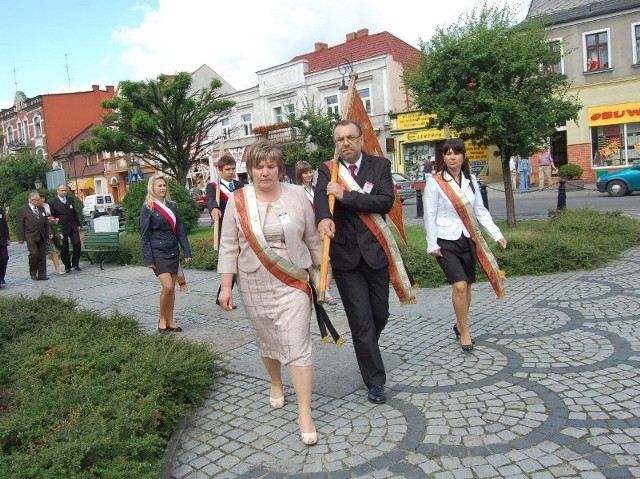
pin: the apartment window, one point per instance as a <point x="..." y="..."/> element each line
<point x="555" y="45"/>
<point x="92" y="160"/>
<point x="20" y="132"/>
<point x="635" y="35"/>
<point x="226" y="128"/>
<point x="365" y="96"/>
<point x="284" y="113"/>
<point x="332" y="104"/>
<point x="247" y="124"/>
<point x="596" y="50"/>
<point x="37" y="127"/>
<point x="25" y="130"/>
<point x="10" y="138"/>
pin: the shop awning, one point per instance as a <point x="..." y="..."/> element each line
<point x="88" y="184"/>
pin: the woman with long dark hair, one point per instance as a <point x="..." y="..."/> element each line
<point x="453" y="214"/>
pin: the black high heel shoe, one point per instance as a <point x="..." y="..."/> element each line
<point x="457" y="331"/>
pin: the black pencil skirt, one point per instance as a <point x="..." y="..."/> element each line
<point x="458" y="260"/>
<point x="166" y="265"/>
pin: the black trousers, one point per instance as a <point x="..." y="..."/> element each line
<point x="4" y="260"/>
<point x="364" y="293"/>
<point x="38" y="258"/>
<point x="74" y="236"/>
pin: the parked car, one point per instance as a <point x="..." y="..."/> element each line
<point x="621" y="182"/>
<point x="200" y="198"/>
<point x="97" y="205"/>
<point x="404" y="186"/>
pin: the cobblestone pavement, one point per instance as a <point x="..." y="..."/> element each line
<point x="552" y="389"/>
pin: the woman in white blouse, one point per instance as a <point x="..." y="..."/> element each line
<point x="452" y="204"/>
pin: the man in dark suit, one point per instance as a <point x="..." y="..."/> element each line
<point x="4" y="242"/>
<point x="32" y="227"/>
<point x="228" y="184"/>
<point x="358" y="260"/>
<point x="62" y="208"/>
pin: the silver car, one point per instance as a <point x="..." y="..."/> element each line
<point x="404" y="186"/>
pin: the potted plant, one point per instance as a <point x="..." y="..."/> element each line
<point x="572" y="175"/>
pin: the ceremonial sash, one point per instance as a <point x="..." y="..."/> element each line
<point x="167" y="213"/>
<point x="378" y="226"/>
<point x="485" y="257"/>
<point x="249" y="219"/>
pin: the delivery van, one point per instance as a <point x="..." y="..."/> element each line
<point x="97" y="205"/>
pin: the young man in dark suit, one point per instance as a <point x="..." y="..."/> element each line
<point x="32" y="227"/>
<point x="62" y="208"/>
<point x="228" y="184"/>
<point x="358" y="260"/>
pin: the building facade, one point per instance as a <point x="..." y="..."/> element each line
<point x="600" y="42"/>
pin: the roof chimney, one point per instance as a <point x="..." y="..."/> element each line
<point x="363" y="32"/>
<point x="351" y="36"/>
<point x="320" y="46"/>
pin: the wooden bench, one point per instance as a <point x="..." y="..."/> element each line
<point x="102" y="244"/>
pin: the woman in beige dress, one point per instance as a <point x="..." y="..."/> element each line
<point x="269" y="239"/>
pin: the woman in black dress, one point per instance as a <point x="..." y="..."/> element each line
<point x="162" y="234"/>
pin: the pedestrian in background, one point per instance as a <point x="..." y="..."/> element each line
<point x="162" y="234"/>
<point x="52" y="249"/>
<point x="545" y="165"/>
<point x="453" y="214"/>
<point x="524" y="170"/>
<point x="304" y="178"/>
<point x="62" y="209"/>
<point x="269" y="240"/>
<point x="4" y="243"/>
<point x="32" y="227"/>
<point x="513" y="170"/>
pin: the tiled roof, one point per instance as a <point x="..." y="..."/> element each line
<point x="360" y="46"/>
<point x="563" y="11"/>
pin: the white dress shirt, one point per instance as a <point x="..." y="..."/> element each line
<point x="441" y="219"/>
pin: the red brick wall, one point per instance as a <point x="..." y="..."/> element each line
<point x="580" y="154"/>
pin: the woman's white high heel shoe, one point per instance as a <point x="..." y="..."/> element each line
<point x="276" y="403"/>
<point x="308" y="438"/>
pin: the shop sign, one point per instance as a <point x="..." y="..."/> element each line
<point x="414" y="119"/>
<point x="479" y="168"/>
<point x="475" y="152"/>
<point x="614" y="114"/>
<point x="424" y="135"/>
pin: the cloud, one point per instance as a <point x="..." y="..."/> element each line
<point x="237" y="39"/>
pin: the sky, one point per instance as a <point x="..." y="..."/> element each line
<point x="68" y="45"/>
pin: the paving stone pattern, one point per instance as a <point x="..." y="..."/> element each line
<point x="552" y="389"/>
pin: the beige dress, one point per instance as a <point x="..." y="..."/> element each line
<point x="280" y="315"/>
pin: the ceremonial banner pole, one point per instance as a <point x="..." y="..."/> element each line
<point x="326" y="241"/>
<point x="216" y="222"/>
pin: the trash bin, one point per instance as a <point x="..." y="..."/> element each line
<point x="106" y="224"/>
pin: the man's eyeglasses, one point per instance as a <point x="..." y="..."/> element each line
<point x="350" y="139"/>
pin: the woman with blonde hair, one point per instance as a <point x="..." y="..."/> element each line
<point x="162" y="234"/>
<point x="304" y="178"/>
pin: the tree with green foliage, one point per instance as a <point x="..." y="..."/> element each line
<point x="493" y="82"/>
<point x="136" y="194"/>
<point x="18" y="173"/>
<point x="315" y="125"/>
<point x="162" y="120"/>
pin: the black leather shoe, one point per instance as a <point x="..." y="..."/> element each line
<point x="44" y="278"/>
<point x="34" y="277"/>
<point x="177" y="329"/>
<point x="77" y="268"/>
<point x="2" y="281"/>
<point x="68" y="270"/>
<point x="376" y="395"/>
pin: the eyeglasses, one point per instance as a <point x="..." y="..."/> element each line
<point x="350" y="139"/>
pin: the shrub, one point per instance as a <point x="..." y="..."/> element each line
<point x="90" y="396"/>
<point x="133" y="200"/>
<point x="570" y="172"/>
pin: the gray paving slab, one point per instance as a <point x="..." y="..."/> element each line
<point x="552" y="389"/>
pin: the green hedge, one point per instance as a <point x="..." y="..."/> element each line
<point x="84" y="396"/>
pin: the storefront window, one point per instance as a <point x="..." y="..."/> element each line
<point x="415" y="154"/>
<point x="615" y="145"/>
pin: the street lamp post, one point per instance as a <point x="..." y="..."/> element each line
<point x="37" y="183"/>
<point x="134" y="170"/>
<point x="343" y="69"/>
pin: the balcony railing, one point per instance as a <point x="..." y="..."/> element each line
<point x="117" y="164"/>
<point x="281" y="135"/>
<point x="17" y="145"/>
